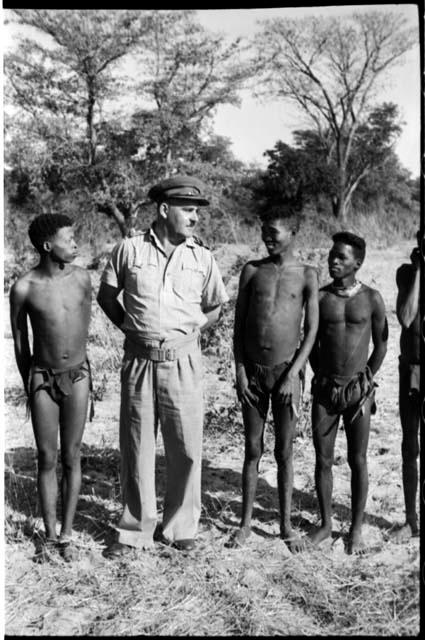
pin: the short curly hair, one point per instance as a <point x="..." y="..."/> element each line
<point x="45" y="226"/>
<point x="358" y="243"/>
<point x="288" y="218"/>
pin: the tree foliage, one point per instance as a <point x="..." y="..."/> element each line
<point x="64" y="80"/>
<point x="303" y="173"/>
<point x="330" y="69"/>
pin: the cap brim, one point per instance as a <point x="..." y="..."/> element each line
<point x="186" y="200"/>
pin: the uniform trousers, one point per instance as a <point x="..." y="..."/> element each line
<point x="169" y="393"/>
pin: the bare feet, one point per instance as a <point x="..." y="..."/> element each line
<point x="45" y="550"/>
<point x="294" y="542"/>
<point x="67" y="550"/>
<point x="355" y="544"/>
<point x="404" y="533"/>
<point x="319" y="534"/>
<point x="239" y="538"/>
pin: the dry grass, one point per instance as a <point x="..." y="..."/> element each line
<point x="260" y="590"/>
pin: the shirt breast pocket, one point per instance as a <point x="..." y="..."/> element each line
<point x="188" y="284"/>
<point x="141" y="278"/>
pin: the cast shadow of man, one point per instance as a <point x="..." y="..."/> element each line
<point x="222" y="503"/>
<point x="99" y="505"/>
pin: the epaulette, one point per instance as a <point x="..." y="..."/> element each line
<point x="199" y="241"/>
<point x="136" y="232"/>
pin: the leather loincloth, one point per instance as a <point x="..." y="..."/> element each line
<point x="338" y="393"/>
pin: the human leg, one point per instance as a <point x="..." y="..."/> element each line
<point x="357" y="433"/>
<point x="324" y="427"/>
<point x="409" y="405"/>
<point x="180" y="411"/>
<point x="45" y="421"/>
<point x="284" y="425"/>
<point x="138" y="429"/>
<point x="73" y="412"/>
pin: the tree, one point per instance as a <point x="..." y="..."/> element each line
<point x="330" y="68"/>
<point x="62" y="85"/>
<point x="61" y="81"/>
<point x="187" y="72"/>
<point x="304" y="172"/>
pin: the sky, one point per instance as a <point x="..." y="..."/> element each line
<point x="254" y="127"/>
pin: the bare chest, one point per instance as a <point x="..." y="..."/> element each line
<point x="270" y="285"/>
<point x="348" y="311"/>
<point x="56" y="298"/>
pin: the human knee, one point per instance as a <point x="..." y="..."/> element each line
<point x="253" y="450"/>
<point x="409" y="449"/>
<point x="47" y="459"/>
<point x="283" y="455"/>
<point x="357" y="460"/>
<point x="71" y="458"/>
<point x="324" y="462"/>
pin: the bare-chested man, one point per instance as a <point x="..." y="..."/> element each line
<point x="56" y="296"/>
<point x="408" y="283"/>
<point x="350" y="314"/>
<point x="269" y="360"/>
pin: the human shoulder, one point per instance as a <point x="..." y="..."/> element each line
<point x="129" y="246"/>
<point x="404" y="274"/>
<point x="22" y="285"/>
<point x="81" y="274"/>
<point x="252" y="266"/>
<point x="310" y="271"/>
<point x="200" y="243"/>
<point x="373" y="295"/>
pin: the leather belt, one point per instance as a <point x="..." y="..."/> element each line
<point x="162" y="351"/>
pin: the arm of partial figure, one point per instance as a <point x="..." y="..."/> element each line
<point x="212" y="315"/>
<point x="379" y="334"/>
<point x="408" y="292"/>
<point x="311" y="325"/>
<point x="245" y="395"/>
<point x="19" y="325"/>
<point x="107" y="300"/>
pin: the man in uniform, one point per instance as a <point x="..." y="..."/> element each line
<point x="408" y="283"/>
<point x="172" y="290"/>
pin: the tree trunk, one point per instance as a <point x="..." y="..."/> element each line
<point x="338" y="201"/>
<point x="91" y="133"/>
<point x="112" y="210"/>
<point x="339" y="208"/>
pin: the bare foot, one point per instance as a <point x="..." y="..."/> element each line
<point x="239" y="538"/>
<point x="404" y="533"/>
<point x="319" y="534"/>
<point x="67" y="550"/>
<point x="45" y="550"/>
<point x="294" y="542"/>
<point x="355" y="544"/>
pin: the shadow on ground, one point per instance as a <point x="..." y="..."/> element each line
<point x="99" y="505"/>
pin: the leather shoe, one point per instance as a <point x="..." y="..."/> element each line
<point x="186" y="544"/>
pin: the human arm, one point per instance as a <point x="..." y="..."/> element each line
<point x="379" y="333"/>
<point x="314" y="355"/>
<point x="19" y="325"/>
<point x="212" y="316"/>
<point x="311" y="324"/>
<point x="408" y="283"/>
<point x="245" y="395"/>
<point x="107" y="300"/>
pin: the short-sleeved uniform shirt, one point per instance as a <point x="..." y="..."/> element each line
<point x="164" y="298"/>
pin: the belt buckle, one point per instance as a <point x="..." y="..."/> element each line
<point x="170" y="354"/>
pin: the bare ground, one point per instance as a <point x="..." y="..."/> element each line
<point x="260" y="590"/>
